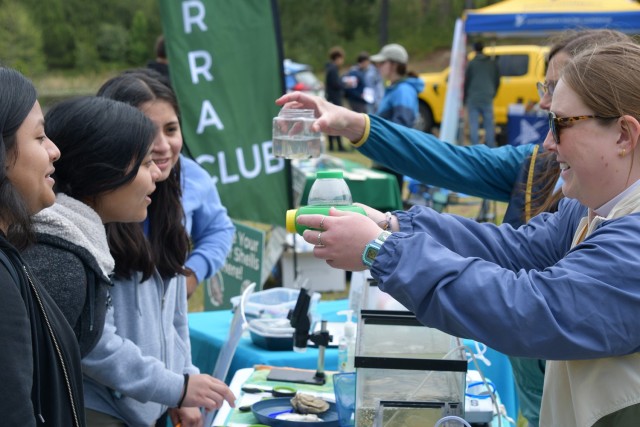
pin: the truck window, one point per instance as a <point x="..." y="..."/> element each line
<point x="513" y="65"/>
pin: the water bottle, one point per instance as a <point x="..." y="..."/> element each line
<point x="292" y="136"/>
<point x="329" y="189"/>
<point x="292" y="225"/>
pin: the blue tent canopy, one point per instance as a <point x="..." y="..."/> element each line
<point x="545" y="16"/>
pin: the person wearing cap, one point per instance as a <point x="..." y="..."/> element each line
<point x="481" y="82"/>
<point x="400" y="101"/>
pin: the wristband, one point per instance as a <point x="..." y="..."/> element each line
<point x="184" y="390"/>
<point x="365" y="135"/>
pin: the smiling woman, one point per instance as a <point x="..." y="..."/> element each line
<point x="105" y="173"/>
<point x="41" y="374"/>
<point x="574" y="272"/>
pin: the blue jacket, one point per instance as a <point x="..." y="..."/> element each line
<point x="135" y="372"/>
<point x="355" y="94"/>
<point x="477" y="170"/>
<point x="206" y="220"/>
<point x="491" y="173"/>
<point x="471" y="279"/>
<point x="400" y="101"/>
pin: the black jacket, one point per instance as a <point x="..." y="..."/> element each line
<point x="40" y="371"/>
<point x="333" y="87"/>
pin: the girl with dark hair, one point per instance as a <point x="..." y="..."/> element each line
<point x="41" y="376"/>
<point x="183" y="186"/>
<point x="106" y="175"/>
<point x="142" y="364"/>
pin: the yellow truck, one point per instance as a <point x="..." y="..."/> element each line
<point x="521" y="67"/>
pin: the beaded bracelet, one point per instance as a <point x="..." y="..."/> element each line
<point x="184" y="390"/>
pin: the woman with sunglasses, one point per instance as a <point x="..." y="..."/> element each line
<point x="564" y="285"/>
<point x="499" y="174"/>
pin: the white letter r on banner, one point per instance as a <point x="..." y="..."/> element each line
<point x="203" y="68"/>
<point x="197" y="18"/>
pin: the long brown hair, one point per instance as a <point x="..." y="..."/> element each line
<point x="167" y="245"/>
<point x="573" y="42"/>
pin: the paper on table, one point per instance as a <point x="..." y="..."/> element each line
<point x="369" y="173"/>
<point x="229" y="348"/>
<point x="353" y="175"/>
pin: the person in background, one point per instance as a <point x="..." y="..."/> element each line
<point x="155" y="278"/>
<point x="501" y="173"/>
<point x="355" y="94"/>
<point x="373" y="86"/>
<point x="41" y="375"/>
<point x="572" y="271"/>
<point x="161" y="63"/>
<point x="205" y="218"/>
<point x="334" y="87"/>
<point x="481" y="83"/>
<point x="400" y="102"/>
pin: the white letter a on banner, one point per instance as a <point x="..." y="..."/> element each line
<point x="208" y="117"/>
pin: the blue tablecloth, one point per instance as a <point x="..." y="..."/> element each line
<point x="209" y="330"/>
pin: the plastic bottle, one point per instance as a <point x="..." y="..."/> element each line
<point x="347" y="344"/>
<point x="292" y="215"/>
<point x="328" y="190"/>
<point x="292" y="137"/>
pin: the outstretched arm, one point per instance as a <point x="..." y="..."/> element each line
<point x="475" y="170"/>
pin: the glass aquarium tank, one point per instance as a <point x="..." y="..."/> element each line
<point x="400" y="360"/>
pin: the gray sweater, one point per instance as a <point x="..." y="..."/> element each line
<point x="136" y="370"/>
<point x="71" y="259"/>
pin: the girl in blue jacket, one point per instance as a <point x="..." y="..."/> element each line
<point x="565" y="282"/>
<point x="142" y="365"/>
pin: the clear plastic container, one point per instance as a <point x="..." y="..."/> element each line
<point x="292" y="136"/>
<point x="329" y="189"/>
<point x="273" y="303"/>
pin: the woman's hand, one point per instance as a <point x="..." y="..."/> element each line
<point x="340" y="238"/>
<point x="207" y="392"/>
<point x="331" y="119"/>
<point x="186" y="417"/>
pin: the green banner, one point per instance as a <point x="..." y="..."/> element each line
<point x="243" y="267"/>
<point x="226" y="67"/>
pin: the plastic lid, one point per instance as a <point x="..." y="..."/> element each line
<point x="290" y="220"/>
<point x="329" y="174"/>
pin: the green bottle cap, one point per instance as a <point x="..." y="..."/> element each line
<point x="329" y="174"/>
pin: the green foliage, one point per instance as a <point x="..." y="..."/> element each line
<point x="99" y="34"/>
<point x="138" y="50"/>
<point x="87" y="56"/>
<point x="310" y="28"/>
<point x="20" y="39"/>
<point x="111" y="42"/>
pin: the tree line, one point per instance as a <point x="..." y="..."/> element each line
<point x="81" y="35"/>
